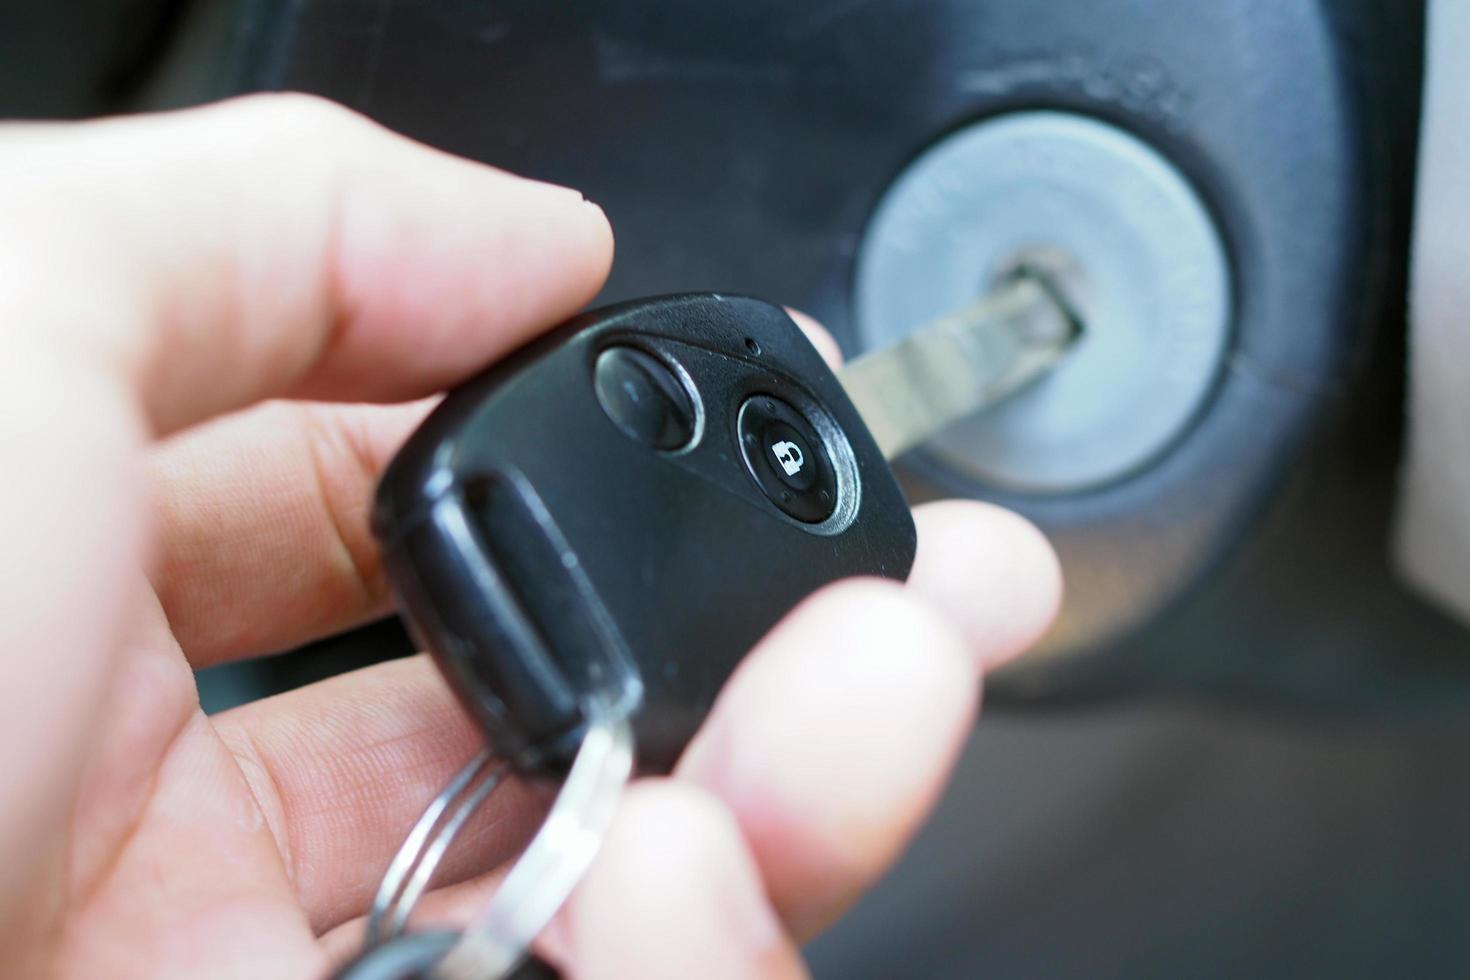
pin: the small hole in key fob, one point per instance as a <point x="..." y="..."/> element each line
<point x="622" y="509"/>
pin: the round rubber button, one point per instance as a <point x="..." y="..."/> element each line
<point x="644" y="398"/>
<point x="786" y="458"/>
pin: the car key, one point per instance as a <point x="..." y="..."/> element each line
<point x="589" y="536"/>
<point x="630" y="503"/>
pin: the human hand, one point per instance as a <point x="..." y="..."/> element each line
<point x="189" y="303"/>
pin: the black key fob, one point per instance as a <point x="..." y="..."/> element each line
<point x="622" y="509"/>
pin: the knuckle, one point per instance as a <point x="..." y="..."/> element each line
<point x="293" y="119"/>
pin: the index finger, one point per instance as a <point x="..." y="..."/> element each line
<point x="283" y="246"/>
<point x="155" y="271"/>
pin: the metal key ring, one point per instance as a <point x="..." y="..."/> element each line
<point x="408" y="874"/>
<point x="540" y="880"/>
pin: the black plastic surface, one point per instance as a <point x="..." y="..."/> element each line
<point x="543" y="556"/>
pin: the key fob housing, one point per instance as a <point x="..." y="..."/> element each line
<point x="622" y="509"/>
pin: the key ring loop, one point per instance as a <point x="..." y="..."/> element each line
<point x="543" y="877"/>
<point x="540" y="880"/>
<point x="408" y="874"/>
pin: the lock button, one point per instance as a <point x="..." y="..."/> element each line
<point x="786" y="458"/>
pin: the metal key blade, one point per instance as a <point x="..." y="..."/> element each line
<point x="960" y="364"/>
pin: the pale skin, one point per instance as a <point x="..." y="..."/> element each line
<point x="196" y="308"/>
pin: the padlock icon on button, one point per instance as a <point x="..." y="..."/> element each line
<point x="788" y="454"/>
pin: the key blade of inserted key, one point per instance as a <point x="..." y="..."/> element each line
<point x="960" y="364"/>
